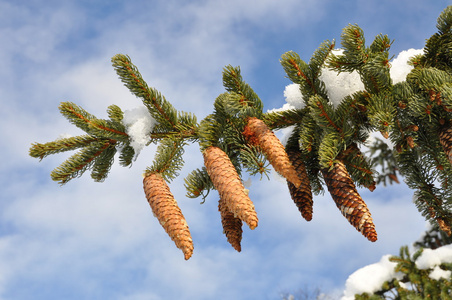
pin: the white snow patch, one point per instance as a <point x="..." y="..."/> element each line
<point x="400" y="67"/>
<point x="247" y="183"/>
<point x="369" y="279"/>
<point x="439" y="273"/>
<point x="434" y="257"/>
<point x="293" y="96"/>
<point x="64" y="136"/>
<point x="139" y="124"/>
<point x="339" y="85"/>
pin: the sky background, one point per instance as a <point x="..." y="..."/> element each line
<point x="90" y="240"/>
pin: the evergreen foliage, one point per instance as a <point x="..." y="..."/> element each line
<point x="415" y="115"/>
<point x="414" y="282"/>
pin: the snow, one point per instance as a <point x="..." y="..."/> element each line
<point x="247" y="183"/>
<point x="139" y="124"/>
<point x="339" y="85"/>
<point x="400" y="67"/>
<point x="439" y="273"/>
<point x="434" y="257"/>
<point x="293" y="96"/>
<point x="64" y="136"/>
<point x="369" y="279"/>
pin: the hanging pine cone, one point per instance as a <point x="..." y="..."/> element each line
<point x="350" y="203"/>
<point x="232" y="226"/>
<point x="165" y="208"/>
<point x="445" y="138"/>
<point x="228" y="184"/>
<point x="444" y="226"/>
<point x="257" y="133"/>
<point x="302" y="196"/>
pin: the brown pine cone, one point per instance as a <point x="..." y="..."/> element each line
<point x="350" y="203"/>
<point x="257" y="133"/>
<point x="228" y="184"/>
<point x="232" y="226"/>
<point x="445" y="138"/>
<point x="165" y="208"/>
<point x="444" y="226"/>
<point x="302" y="196"/>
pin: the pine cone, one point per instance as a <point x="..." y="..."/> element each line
<point x="445" y="138"/>
<point x="350" y="203"/>
<point x="165" y="208"/>
<point x="444" y="226"/>
<point x="257" y="133"/>
<point x="232" y="226"/>
<point x="302" y="196"/>
<point x="228" y="184"/>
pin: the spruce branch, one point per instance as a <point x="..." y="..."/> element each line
<point x="198" y="183"/>
<point x="323" y="149"/>
<point x="284" y="118"/>
<point x="437" y="48"/>
<point x="90" y="124"/>
<point x="40" y="151"/>
<point x="81" y="161"/>
<point x="359" y="167"/>
<point x="127" y="155"/>
<point x="307" y="75"/>
<point x="103" y="163"/>
<point x="168" y="158"/>
<point x="253" y="160"/>
<point x="297" y="71"/>
<point x="330" y="147"/>
<point x="115" y="113"/>
<point x="318" y="61"/>
<point x="383" y="158"/>
<point x="155" y="102"/>
<point x="233" y="82"/>
<point x="381" y="43"/>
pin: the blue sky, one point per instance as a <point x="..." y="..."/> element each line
<point x="90" y="240"/>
